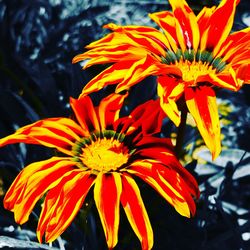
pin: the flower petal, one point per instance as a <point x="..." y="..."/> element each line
<point x="146" y="117"/>
<point x="110" y="54"/>
<point x="138" y="71"/>
<point x="243" y="72"/>
<point x="109" y="109"/>
<point x="217" y="32"/>
<point x="162" y="150"/>
<point x="170" y="185"/>
<point x="187" y="29"/>
<point x="59" y="133"/>
<point x="170" y="90"/>
<point x="225" y="79"/>
<point x="201" y="103"/>
<point x="85" y="114"/>
<point x="107" y="192"/>
<point x="32" y="183"/>
<point x="150" y="38"/>
<point x="136" y="213"/>
<point x="112" y="75"/>
<point x="62" y="204"/>
<point x="166" y="21"/>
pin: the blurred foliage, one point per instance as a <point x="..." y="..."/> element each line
<point x="38" y="41"/>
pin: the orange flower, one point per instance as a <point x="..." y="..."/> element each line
<point x="104" y="151"/>
<point x="194" y="56"/>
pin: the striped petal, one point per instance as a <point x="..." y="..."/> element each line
<point x="187" y="29"/>
<point x="169" y="184"/>
<point x="217" y="32"/>
<point x="162" y="150"/>
<point x="170" y="90"/>
<point x="166" y="21"/>
<point x="243" y="73"/>
<point x="201" y="103"/>
<point x="59" y="133"/>
<point x="112" y="75"/>
<point x="107" y="192"/>
<point x="32" y="183"/>
<point x="62" y="204"/>
<point x="85" y="114"/>
<point x="136" y="213"/>
<point x="111" y="54"/>
<point x="147" y="117"/>
<point x="138" y="71"/>
<point x="109" y="109"/>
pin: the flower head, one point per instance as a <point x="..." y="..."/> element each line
<point x="192" y="57"/>
<point x="104" y="151"/>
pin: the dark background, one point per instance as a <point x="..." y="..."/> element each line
<point x="38" y="39"/>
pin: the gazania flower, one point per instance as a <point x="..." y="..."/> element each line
<point x="104" y="151"/>
<point x="192" y="57"/>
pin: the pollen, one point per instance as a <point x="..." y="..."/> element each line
<point x="194" y="63"/>
<point x="102" y="152"/>
<point x="191" y="71"/>
<point x="104" y="155"/>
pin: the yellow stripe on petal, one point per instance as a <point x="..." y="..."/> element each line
<point x="112" y="75"/>
<point x="169" y="91"/>
<point x="218" y="31"/>
<point x="32" y="185"/>
<point x="109" y="109"/>
<point x="85" y="113"/>
<point x="68" y="197"/>
<point x="149" y="173"/>
<point x="136" y="213"/>
<point x="201" y="103"/>
<point x="107" y="192"/>
<point x="138" y="71"/>
<point x="187" y="29"/>
<point x="166" y="21"/>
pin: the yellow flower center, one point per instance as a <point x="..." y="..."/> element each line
<point x="101" y="153"/>
<point x="104" y="155"/>
<point x="191" y="71"/>
<point x="194" y="63"/>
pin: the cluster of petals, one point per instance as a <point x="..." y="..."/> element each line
<point x="102" y="151"/>
<point x="192" y="56"/>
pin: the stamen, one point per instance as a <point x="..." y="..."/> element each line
<point x="103" y="151"/>
<point x="191" y="56"/>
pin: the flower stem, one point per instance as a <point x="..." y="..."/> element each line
<point x="181" y="132"/>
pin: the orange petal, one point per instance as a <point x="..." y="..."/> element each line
<point x="136" y="213"/>
<point x="162" y="150"/>
<point x="32" y="183"/>
<point x="107" y="192"/>
<point x="187" y="29"/>
<point x="217" y="32"/>
<point x="62" y="204"/>
<point x="226" y="79"/>
<point x="148" y="37"/>
<point x="170" y="90"/>
<point x="201" y="103"/>
<point x="112" y="75"/>
<point x="169" y="185"/>
<point x="243" y="72"/>
<point x="203" y="22"/>
<point x="58" y="133"/>
<point x="166" y="21"/>
<point x="85" y="113"/>
<point x="109" y="109"/>
<point x="235" y="44"/>
<point x="138" y="71"/>
<point x="146" y="117"/>
<point x="111" y="53"/>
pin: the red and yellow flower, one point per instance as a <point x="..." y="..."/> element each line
<point x="104" y="151"/>
<point x="194" y="55"/>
